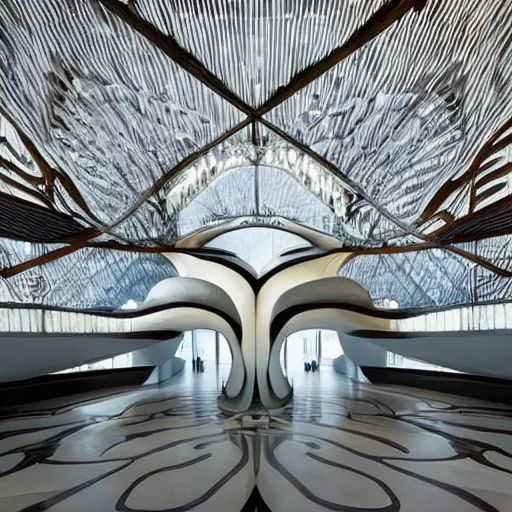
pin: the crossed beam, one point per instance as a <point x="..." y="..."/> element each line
<point x="380" y="21"/>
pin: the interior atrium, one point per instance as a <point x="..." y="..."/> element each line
<point x="256" y="255"/>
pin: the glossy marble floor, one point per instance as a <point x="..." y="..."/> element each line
<point x="340" y="446"/>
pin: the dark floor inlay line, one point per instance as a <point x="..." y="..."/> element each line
<point x="114" y="446"/>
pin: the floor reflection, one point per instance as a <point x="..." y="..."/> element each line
<point x="339" y="446"/>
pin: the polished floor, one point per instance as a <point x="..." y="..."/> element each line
<point x="339" y="446"/>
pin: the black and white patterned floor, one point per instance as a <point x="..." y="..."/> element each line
<point x="340" y="446"/>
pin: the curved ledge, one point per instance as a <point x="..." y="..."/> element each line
<point x="484" y="353"/>
<point x="474" y="386"/>
<point x="52" y="386"/>
<point x="314" y="237"/>
<point x="28" y="355"/>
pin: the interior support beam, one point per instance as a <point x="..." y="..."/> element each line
<point x="495" y="144"/>
<point x="492" y="221"/>
<point x="186" y="162"/>
<point x="347" y="181"/>
<point x="490" y="147"/>
<point x="26" y="190"/>
<point x="76" y="195"/>
<point x="6" y="273"/>
<point x="381" y="20"/>
<point x="49" y="173"/>
<point x="423" y="247"/>
<point x="46" y="170"/>
<point x="29" y="178"/>
<point x="173" y="50"/>
<point x="76" y="243"/>
<point x="480" y="261"/>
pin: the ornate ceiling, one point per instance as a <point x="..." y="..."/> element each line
<point x="382" y="128"/>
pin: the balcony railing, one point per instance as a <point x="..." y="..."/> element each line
<point x="474" y="318"/>
<point x="17" y="320"/>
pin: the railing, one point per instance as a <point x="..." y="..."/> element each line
<point x="16" y="319"/>
<point x="45" y="320"/>
<point x="474" y="318"/>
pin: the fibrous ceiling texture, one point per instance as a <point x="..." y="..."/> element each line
<point x="132" y="125"/>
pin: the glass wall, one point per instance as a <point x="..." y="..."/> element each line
<point x="303" y="346"/>
<point x="120" y="361"/>
<point x="399" y="361"/>
<point x="322" y="346"/>
<point x="472" y="318"/>
<point x="199" y="343"/>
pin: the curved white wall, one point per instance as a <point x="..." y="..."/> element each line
<point x="186" y="319"/>
<point x="28" y="355"/>
<point x="487" y="353"/>
<point x="269" y="294"/>
<point x="243" y="298"/>
<point x="331" y="319"/>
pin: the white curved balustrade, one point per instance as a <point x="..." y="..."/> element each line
<point x="473" y="318"/>
<point x="56" y="321"/>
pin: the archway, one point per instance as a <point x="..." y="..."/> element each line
<point x="307" y="352"/>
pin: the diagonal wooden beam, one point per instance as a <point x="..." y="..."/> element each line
<point x="480" y="261"/>
<point x="387" y="15"/>
<point x="10" y="166"/>
<point x="46" y="170"/>
<point x="76" y="195"/>
<point x="49" y="173"/>
<point x="348" y="182"/>
<point x="183" y="164"/>
<point x="6" y="273"/>
<point x="168" y="45"/>
<point x="491" y="221"/>
<point x="500" y="172"/>
<point x="27" y="190"/>
<point x="77" y="243"/>
<point x="423" y="247"/>
<point x="491" y="146"/>
<point x="488" y="193"/>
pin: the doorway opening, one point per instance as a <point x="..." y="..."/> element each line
<point x="309" y="351"/>
<point x="206" y="352"/>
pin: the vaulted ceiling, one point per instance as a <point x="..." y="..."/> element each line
<point x="382" y="127"/>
